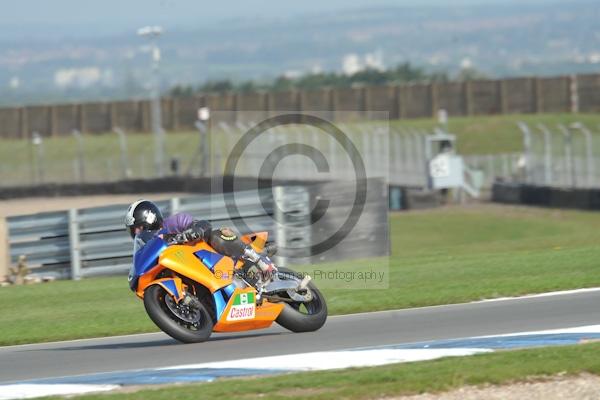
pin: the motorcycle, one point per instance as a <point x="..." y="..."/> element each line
<point x="190" y="290"/>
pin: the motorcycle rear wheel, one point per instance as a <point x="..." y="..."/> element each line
<point x="187" y="329"/>
<point x="302" y="317"/>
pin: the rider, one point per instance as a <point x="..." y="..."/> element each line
<point x="144" y="221"/>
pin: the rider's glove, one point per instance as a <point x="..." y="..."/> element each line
<point x="199" y="230"/>
<point x="190" y="235"/>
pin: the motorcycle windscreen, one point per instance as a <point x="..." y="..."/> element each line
<point x="146" y="255"/>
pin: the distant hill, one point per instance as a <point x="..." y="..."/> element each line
<point x="498" y="39"/>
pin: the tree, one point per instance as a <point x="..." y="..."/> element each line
<point x="470" y="74"/>
<point x="221" y="86"/>
<point x="400" y="74"/>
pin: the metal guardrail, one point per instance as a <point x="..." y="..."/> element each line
<point x="89" y="242"/>
<point x="92" y="241"/>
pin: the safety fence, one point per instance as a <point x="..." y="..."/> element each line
<point x="575" y="93"/>
<point x="394" y="152"/>
<point x="562" y="156"/>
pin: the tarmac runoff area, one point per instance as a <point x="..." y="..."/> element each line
<point x="359" y="340"/>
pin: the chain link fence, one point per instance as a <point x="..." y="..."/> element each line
<point x="565" y="156"/>
<point x="84" y="158"/>
<point x="561" y="156"/>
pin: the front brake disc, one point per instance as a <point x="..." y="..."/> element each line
<point x="184" y="312"/>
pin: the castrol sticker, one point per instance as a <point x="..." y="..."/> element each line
<point x="243" y="307"/>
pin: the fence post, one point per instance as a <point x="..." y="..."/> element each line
<point x="589" y="150"/>
<point x="125" y="169"/>
<point x="175" y="114"/>
<point x="81" y="118"/>
<point x="23" y="125"/>
<point x="52" y="114"/>
<point x="80" y="163"/>
<point x="574" y="94"/>
<point x="4" y="250"/>
<point x="174" y="205"/>
<point x="503" y="96"/>
<point x="538" y="95"/>
<point x="144" y="107"/>
<point x="569" y="167"/>
<point x="331" y="98"/>
<point x="433" y="99"/>
<point x="526" y="149"/>
<point x="292" y="223"/>
<point x="112" y="115"/>
<point x="298" y="99"/>
<point x="505" y="167"/>
<point x="548" y="165"/>
<point x="468" y="93"/>
<point x="366" y="102"/>
<point x="265" y="104"/>
<point x="74" y="245"/>
<point x="204" y="128"/>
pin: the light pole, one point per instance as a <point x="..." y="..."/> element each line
<point x="152" y="33"/>
<point x="38" y="144"/>
<point x="203" y="125"/>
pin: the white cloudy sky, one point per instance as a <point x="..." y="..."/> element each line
<point x="22" y="17"/>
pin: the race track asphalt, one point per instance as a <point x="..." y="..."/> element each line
<point x="88" y="356"/>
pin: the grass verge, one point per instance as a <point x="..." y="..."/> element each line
<point x="442" y="256"/>
<point x="391" y="380"/>
<point x="498" y="134"/>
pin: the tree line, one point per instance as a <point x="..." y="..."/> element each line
<point x="403" y="73"/>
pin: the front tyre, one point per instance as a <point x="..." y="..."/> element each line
<point x="188" y="324"/>
<point x="302" y="316"/>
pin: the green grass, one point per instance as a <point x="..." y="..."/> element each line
<point x="102" y="155"/>
<point x="391" y="380"/>
<point x="499" y="133"/>
<point x="475" y="135"/>
<point x="441" y="256"/>
<point x="460" y="254"/>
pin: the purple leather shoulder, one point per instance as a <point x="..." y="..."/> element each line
<point x="177" y="223"/>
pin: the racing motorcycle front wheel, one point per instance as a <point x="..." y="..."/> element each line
<point x="304" y="311"/>
<point x="188" y="323"/>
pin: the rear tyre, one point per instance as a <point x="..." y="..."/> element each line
<point x="191" y="325"/>
<point x="302" y="316"/>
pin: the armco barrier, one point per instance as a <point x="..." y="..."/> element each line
<point x="92" y="241"/>
<point x="508" y="193"/>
